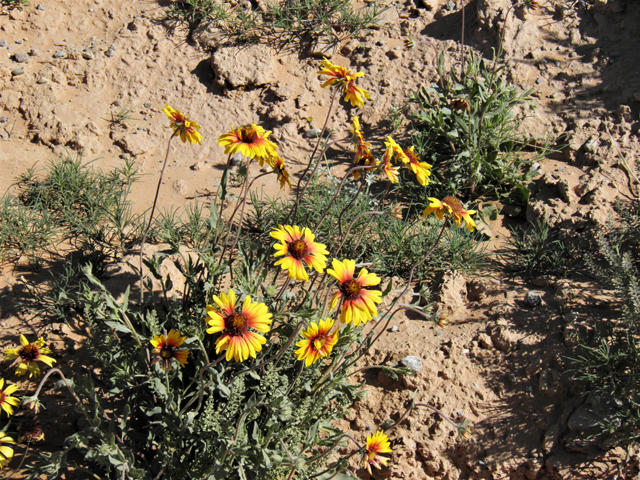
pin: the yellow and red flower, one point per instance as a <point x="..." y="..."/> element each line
<point x="280" y="170"/>
<point x="376" y="444"/>
<point x="451" y="207"/>
<point x="299" y="248"/>
<point x="344" y="79"/>
<point x="421" y="169"/>
<point x="166" y="349"/>
<point x="187" y="129"/>
<point x="6" y="453"/>
<point x="358" y="302"/>
<point x="364" y="156"/>
<point x="252" y="141"/>
<point x="318" y="342"/>
<point x="240" y="342"/>
<point x="30" y="431"/>
<point x="6" y="400"/>
<point x="27" y="356"/>
<point x="387" y="167"/>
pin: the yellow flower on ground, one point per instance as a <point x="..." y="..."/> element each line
<point x="421" y="169"/>
<point x="166" y="349"/>
<point x="451" y="207"/>
<point x="240" y="342"/>
<point x="27" y="356"/>
<point x="318" y="343"/>
<point x="7" y="401"/>
<point x="252" y="141"/>
<point x="280" y="170"/>
<point x="376" y="444"/>
<point x="299" y="248"/>
<point x="344" y="79"/>
<point x="358" y="302"/>
<point x="187" y="129"/>
<point x="6" y="453"/>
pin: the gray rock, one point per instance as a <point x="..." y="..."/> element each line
<point x="40" y="7"/>
<point x="19" y="41"/>
<point x="413" y="363"/>
<point x="110" y="52"/>
<point x="591" y="145"/>
<point x="236" y="160"/>
<point x="87" y="55"/>
<point x="532" y="299"/>
<point x="595" y="411"/>
<point x="34" y="53"/>
<point x="538" y="80"/>
<point x="42" y="80"/>
<point x="451" y="6"/>
<point x="147" y="105"/>
<point x="60" y="54"/>
<point x="17" y="71"/>
<point x="3" y="119"/>
<point x="20" y="57"/>
<point x="312" y="133"/>
<point x="394" y="328"/>
<point x="381" y="43"/>
<point x="3" y="43"/>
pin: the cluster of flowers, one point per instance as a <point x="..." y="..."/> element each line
<point x="26" y="358"/>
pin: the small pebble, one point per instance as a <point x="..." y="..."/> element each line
<point x="19" y="42"/>
<point x="41" y="80"/>
<point x="312" y="133"/>
<point x="412" y="362"/>
<point x="17" y="71"/>
<point x="451" y="6"/>
<point x="3" y="136"/>
<point x="3" y="119"/>
<point x="573" y="55"/>
<point x="88" y="55"/>
<point x="147" y="105"/>
<point x="110" y="52"/>
<point x="34" y="53"/>
<point x="236" y="159"/>
<point x="3" y="43"/>
<point x="394" y="328"/>
<point x="465" y="351"/>
<point x="40" y="7"/>
<point x="20" y="57"/>
<point x="9" y="47"/>
<point x="60" y="54"/>
<point x="538" y="80"/>
<point x="532" y="299"/>
<point x="117" y="103"/>
<point x="381" y="43"/>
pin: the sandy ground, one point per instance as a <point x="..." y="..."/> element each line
<point x="499" y="364"/>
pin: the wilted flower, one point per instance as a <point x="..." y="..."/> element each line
<point x="376" y="444"/>
<point x="280" y="170"/>
<point x="166" y="349"/>
<point x="318" y="343"/>
<point x="6" y="453"/>
<point x="299" y="248"/>
<point x="363" y="148"/>
<point x="451" y="206"/>
<point x="396" y="211"/>
<point x="240" y="342"/>
<point x="251" y="141"/>
<point x="459" y="105"/>
<point x="187" y="129"/>
<point x="6" y="401"/>
<point x="409" y="43"/>
<point x="30" y="431"/>
<point x="358" y="302"/>
<point x="27" y="356"/>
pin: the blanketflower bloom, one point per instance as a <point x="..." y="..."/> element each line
<point x="298" y="246"/>
<point x="451" y="207"/>
<point x="6" y="453"/>
<point x="421" y="169"/>
<point x="30" y="431"/>
<point x="363" y="148"/>
<point x="27" y="356"/>
<point x="394" y="148"/>
<point x="376" y="444"/>
<point x="387" y="167"/>
<point x="240" y="342"/>
<point x="7" y="401"/>
<point x="280" y="170"/>
<point x="358" y="302"/>
<point x="318" y="343"/>
<point x="343" y="78"/>
<point x="187" y="129"/>
<point x="251" y="141"/>
<point x="166" y="349"/>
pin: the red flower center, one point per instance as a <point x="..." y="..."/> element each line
<point x="2" y="397"/>
<point x="298" y="249"/>
<point x="455" y="204"/>
<point x="350" y="289"/>
<point x="29" y="353"/>
<point x="235" y="324"/>
<point x="248" y="135"/>
<point x="166" y="352"/>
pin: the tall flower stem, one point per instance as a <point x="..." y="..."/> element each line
<point x="153" y="210"/>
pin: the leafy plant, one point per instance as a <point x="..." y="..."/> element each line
<point x="466" y="126"/>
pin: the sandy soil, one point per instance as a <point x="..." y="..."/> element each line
<point x="499" y="364"/>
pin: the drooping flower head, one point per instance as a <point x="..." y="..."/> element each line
<point x="27" y="356"/>
<point x="280" y="170"/>
<point x="298" y="248"/>
<point x="30" y="431"/>
<point x="421" y="169"/>
<point x="240" y="342"/>
<point x="6" y="453"/>
<point x="345" y="80"/>
<point x="452" y="207"/>
<point x="358" y="302"/>
<point x="187" y="129"/>
<point x="376" y="444"/>
<point x="166" y="349"/>
<point x="364" y="156"/>
<point x="6" y="400"/>
<point x="460" y="105"/>
<point x="252" y="141"/>
<point x="388" y="169"/>
<point x="318" y="342"/>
